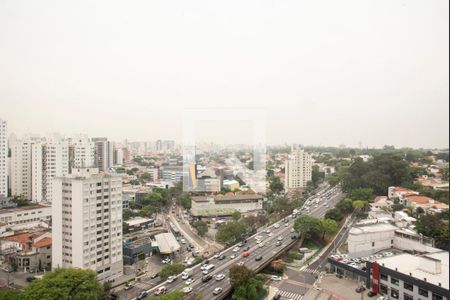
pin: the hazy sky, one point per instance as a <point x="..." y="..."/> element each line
<point x="327" y="72"/>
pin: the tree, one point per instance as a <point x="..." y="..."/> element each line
<point x="316" y="175"/>
<point x="345" y="206"/>
<point x="329" y="227"/>
<point x="275" y="184"/>
<point x="359" y="204"/>
<point x="334" y="214"/>
<point x="239" y="274"/>
<point x="146" y="176"/>
<point x="147" y="211"/>
<point x="177" y="295"/>
<point x="397" y="206"/>
<point x="201" y="227"/>
<point x="431" y="225"/>
<point x="184" y="199"/>
<point x="362" y="194"/>
<point x="231" y="232"/>
<point x="68" y="283"/>
<point x="170" y="270"/>
<point x="236" y="216"/>
<point x="277" y="266"/>
<point x="308" y="226"/>
<point x="10" y="295"/>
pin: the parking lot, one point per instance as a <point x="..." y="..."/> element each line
<point x="337" y="288"/>
<point x="360" y="262"/>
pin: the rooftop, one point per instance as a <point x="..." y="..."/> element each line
<point x="137" y="221"/>
<point x="22" y="208"/>
<point x="373" y="228"/>
<point x="167" y="243"/>
<point x="421" y="266"/>
<point x="45" y="242"/>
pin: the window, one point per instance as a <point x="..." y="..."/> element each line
<point x="437" y="297"/>
<point x="407" y="297"/>
<point x="394" y="280"/>
<point x="383" y="289"/>
<point x="383" y="277"/>
<point x="423" y="292"/>
<point x="394" y="293"/>
<point x="408" y="286"/>
<point x="373" y="244"/>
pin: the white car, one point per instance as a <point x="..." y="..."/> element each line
<point x="258" y="241"/>
<point x="267" y="231"/>
<point x="236" y="249"/>
<point x="220" y="276"/>
<point x="261" y="245"/>
<point x="241" y="263"/>
<point x="185" y="276"/>
<point x="171" y="279"/>
<point x="275" y="278"/>
<point x="183" y="241"/>
<point x="189" y="281"/>
<point x="217" y="255"/>
<point x="217" y="291"/>
<point x="232" y="256"/>
<point x="187" y="290"/>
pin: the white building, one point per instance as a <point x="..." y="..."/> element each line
<point x="104" y="153"/>
<point x="81" y="152"/>
<point x="87" y="222"/>
<point x="20" y="167"/>
<point x="50" y="159"/>
<point x="219" y="205"/>
<point x="26" y="215"/>
<point x="3" y="159"/>
<point x="298" y="169"/>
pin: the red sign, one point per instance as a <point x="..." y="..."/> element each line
<point x="376" y="278"/>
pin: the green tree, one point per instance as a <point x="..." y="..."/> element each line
<point x="201" y="227"/>
<point x="170" y="270"/>
<point x="239" y="274"/>
<point x="125" y="228"/>
<point x="146" y="176"/>
<point x="275" y="184"/>
<point x="177" y="295"/>
<point x="345" y="206"/>
<point x="334" y="214"/>
<point x="329" y="227"/>
<point x="359" y="204"/>
<point x="433" y="226"/>
<point x="11" y="295"/>
<point x="231" y="232"/>
<point x="236" y="216"/>
<point x="147" y="211"/>
<point x="68" y="283"/>
<point x="308" y="226"/>
<point x="362" y="194"/>
<point x="184" y="199"/>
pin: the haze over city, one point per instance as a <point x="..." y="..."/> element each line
<point x="326" y="72"/>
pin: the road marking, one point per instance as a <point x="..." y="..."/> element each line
<point x="290" y="295"/>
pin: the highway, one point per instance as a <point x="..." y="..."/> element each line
<point x="268" y="252"/>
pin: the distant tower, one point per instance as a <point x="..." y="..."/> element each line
<point x="360" y="145"/>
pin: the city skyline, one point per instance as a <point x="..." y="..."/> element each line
<point x="325" y="75"/>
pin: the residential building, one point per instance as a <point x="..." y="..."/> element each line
<point x="220" y="205"/>
<point x="49" y="159"/>
<point x="3" y="159"/>
<point x="81" y="152"/>
<point x="20" y="176"/>
<point x="298" y="169"/>
<point x="232" y="185"/>
<point x="87" y="222"/>
<point x="118" y="157"/>
<point x="424" y="202"/>
<point x="26" y="215"/>
<point x="104" y="153"/>
<point x="398" y="192"/>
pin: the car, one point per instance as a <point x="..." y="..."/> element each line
<point x="206" y="278"/>
<point x="270" y="234"/>
<point x="236" y="249"/>
<point x="144" y="294"/>
<point x="294" y="236"/>
<point x="217" y="291"/>
<point x="277" y="297"/>
<point x="189" y="281"/>
<point x="222" y="257"/>
<point x="185" y="276"/>
<point x="217" y="255"/>
<point x="245" y="254"/>
<point x="154" y="276"/>
<point x="360" y="289"/>
<point x="240" y="244"/>
<point x="183" y="241"/>
<point x="371" y="294"/>
<point x="171" y="279"/>
<point x="258" y="258"/>
<point x="247" y="248"/>
<point x="258" y="241"/>
<point x="382" y="298"/>
<point x="30" y="278"/>
<point x="128" y="286"/>
<point x="187" y="290"/>
<point x="278" y="243"/>
<point x="232" y="256"/>
<point x="287" y="225"/>
<point x="280" y="238"/>
<point x="276" y="226"/>
<point x="241" y="263"/>
<point x="275" y="278"/>
<point x="267" y="231"/>
<point x="220" y="276"/>
<point x="261" y="245"/>
<point x="292" y="230"/>
<point x="159" y="291"/>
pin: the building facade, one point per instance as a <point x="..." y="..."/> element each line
<point x="20" y="175"/>
<point x="208" y="206"/>
<point x="298" y="169"/>
<point x="3" y="159"/>
<point x="87" y="222"/>
<point x="81" y="153"/>
<point x="26" y="215"/>
<point x="104" y="153"/>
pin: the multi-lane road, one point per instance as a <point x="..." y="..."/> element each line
<point x="268" y="251"/>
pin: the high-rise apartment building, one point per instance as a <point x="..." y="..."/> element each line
<point x="298" y="169"/>
<point x="20" y="167"/>
<point x="3" y="159"/>
<point x="81" y="152"/>
<point x="104" y="153"/>
<point x="87" y="222"/>
<point x="50" y="159"/>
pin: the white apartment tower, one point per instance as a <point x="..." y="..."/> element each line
<point x="87" y="222"/>
<point x="50" y="159"/>
<point x="81" y="153"/>
<point x="20" y="166"/>
<point x="3" y="159"/>
<point x="298" y="169"/>
<point x="104" y="153"/>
